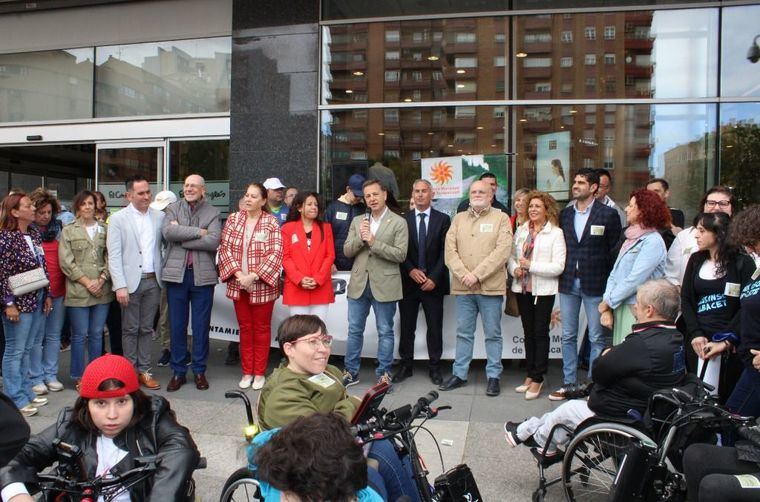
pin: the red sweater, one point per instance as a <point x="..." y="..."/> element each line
<point x="57" y="279"/>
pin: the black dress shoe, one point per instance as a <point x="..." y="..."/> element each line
<point x="454" y="382"/>
<point x="435" y="376"/>
<point x="493" y="388"/>
<point x="402" y="374"/>
<point x="176" y="382"/>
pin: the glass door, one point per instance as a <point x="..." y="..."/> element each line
<point x="115" y="162"/>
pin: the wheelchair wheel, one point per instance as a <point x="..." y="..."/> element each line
<point x="592" y="460"/>
<point x="241" y="487"/>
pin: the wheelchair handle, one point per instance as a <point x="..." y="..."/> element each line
<point x="239" y="394"/>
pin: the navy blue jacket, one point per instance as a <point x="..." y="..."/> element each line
<point x="339" y="215"/>
<point x="593" y="254"/>
<point x="437" y="228"/>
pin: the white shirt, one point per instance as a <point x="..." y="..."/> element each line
<point x="374" y="224"/>
<point x="683" y="246"/>
<point x="146" y="237"/>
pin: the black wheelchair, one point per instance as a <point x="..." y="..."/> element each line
<point x="637" y="459"/>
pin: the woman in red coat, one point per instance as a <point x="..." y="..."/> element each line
<point x="307" y="256"/>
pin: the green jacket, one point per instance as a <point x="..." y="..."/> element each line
<point x="80" y="256"/>
<point x="288" y="395"/>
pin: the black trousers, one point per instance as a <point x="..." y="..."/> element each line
<point x="432" y="306"/>
<point x="536" y="313"/>
<point x="113" y="321"/>
<point x="710" y="474"/>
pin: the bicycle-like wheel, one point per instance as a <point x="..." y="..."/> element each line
<point x="241" y="486"/>
<point x="592" y="460"/>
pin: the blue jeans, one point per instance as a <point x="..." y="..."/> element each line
<point x="745" y="399"/>
<point x="86" y="324"/>
<point x="468" y="307"/>
<point x="570" y="306"/>
<point x="358" y="310"/>
<point x="181" y="298"/>
<point x="396" y="471"/>
<point x="19" y="337"/>
<point x="43" y="362"/>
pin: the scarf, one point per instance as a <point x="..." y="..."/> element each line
<point x="51" y="231"/>
<point x="527" y="252"/>
<point x="632" y="234"/>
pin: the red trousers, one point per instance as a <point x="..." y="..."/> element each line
<point x="255" y="322"/>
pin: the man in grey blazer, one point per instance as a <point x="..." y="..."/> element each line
<point x="134" y="260"/>
<point x="377" y="241"/>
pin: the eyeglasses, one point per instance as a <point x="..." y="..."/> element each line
<point x="314" y="343"/>
<point x="721" y="203"/>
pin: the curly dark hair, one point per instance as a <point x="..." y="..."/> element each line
<point x="745" y="227"/>
<point x="717" y="223"/>
<point x="316" y="458"/>
<point x="41" y="198"/>
<point x="654" y="213"/>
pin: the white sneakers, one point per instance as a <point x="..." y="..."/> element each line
<point x="245" y="382"/>
<point x="39" y="401"/>
<point x="29" y="410"/>
<point x="54" y="386"/>
<point x="256" y="383"/>
<point x="40" y="389"/>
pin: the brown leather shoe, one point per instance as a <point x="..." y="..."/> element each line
<point x="147" y="380"/>
<point x="200" y="381"/>
<point x="176" y="382"/>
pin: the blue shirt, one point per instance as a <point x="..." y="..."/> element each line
<point x="581" y="218"/>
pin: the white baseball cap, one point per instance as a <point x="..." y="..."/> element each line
<point x="163" y="199"/>
<point x="273" y="184"/>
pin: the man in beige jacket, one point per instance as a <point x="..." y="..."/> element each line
<point x="477" y="246"/>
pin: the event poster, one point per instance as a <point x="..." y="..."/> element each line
<point x="451" y="177"/>
<point x="553" y="163"/>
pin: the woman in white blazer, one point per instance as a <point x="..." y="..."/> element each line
<point x="536" y="262"/>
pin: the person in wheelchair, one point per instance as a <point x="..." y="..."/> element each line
<point x="113" y="422"/>
<point x="305" y="384"/>
<point x="312" y="459"/>
<point x="625" y="376"/>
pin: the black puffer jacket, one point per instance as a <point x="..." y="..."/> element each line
<point x="157" y="434"/>
<point x="651" y="358"/>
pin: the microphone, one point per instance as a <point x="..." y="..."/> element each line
<point x="367" y="215"/>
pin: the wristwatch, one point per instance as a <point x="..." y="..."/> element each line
<point x="10" y="304"/>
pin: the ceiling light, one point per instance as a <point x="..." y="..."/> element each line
<point x="521" y="55"/>
<point x="573" y="111"/>
<point x="523" y="120"/>
<point x="460" y="86"/>
<point x="358" y="73"/>
<point x="479" y="127"/>
<point x="450" y="146"/>
<point x="461" y="72"/>
<point x="408" y="100"/>
<point x="430" y="133"/>
<point x="381" y="134"/>
<point x="432" y="58"/>
<point x="349" y="91"/>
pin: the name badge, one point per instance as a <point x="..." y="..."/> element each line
<point x="260" y="236"/>
<point x="322" y="380"/>
<point x="732" y="289"/>
<point x="597" y="229"/>
<point x="687" y="251"/>
<point x="756" y="274"/>
<point x="342" y="216"/>
<point x="486" y="227"/>
<point x="283" y="216"/>
<point x="294" y="239"/>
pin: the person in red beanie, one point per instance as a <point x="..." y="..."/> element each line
<point x="113" y="422"/>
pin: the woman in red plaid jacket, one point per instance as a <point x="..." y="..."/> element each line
<point x="250" y="260"/>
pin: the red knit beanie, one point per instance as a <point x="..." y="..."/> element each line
<point x="104" y="368"/>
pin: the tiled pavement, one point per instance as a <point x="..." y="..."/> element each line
<point x="474" y="424"/>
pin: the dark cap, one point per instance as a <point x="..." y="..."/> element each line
<point x="355" y="182"/>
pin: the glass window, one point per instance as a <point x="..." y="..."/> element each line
<point x="210" y="159"/>
<point x="663" y="54"/>
<point x="739" y="147"/>
<point x="468" y="139"/>
<point x="48" y="85"/>
<point x="537" y="62"/>
<point x="683" y="152"/>
<point x="740" y="51"/>
<point x="566" y="62"/>
<point x="609" y="33"/>
<point x="342" y="9"/>
<point x="431" y="68"/>
<point x="187" y="76"/>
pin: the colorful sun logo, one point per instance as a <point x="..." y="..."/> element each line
<point x="441" y="172"/>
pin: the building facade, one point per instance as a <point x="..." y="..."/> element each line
<point x="312" y="92"/>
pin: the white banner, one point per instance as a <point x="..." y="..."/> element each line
<point x="224" y="326"/>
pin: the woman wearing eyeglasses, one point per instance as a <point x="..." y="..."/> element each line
<point x="718" y="199"/>
<point x="306" y="384"/>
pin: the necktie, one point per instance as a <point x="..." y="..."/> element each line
<point x="421" y="237"/>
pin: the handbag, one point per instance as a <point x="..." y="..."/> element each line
<point x="510" y="303"/>
<point x="28" y="281"/>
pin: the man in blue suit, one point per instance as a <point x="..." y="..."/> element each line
<point x="425" y="280"/>
<point x="134" y="260"/>
<point x="591" y="230"/>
